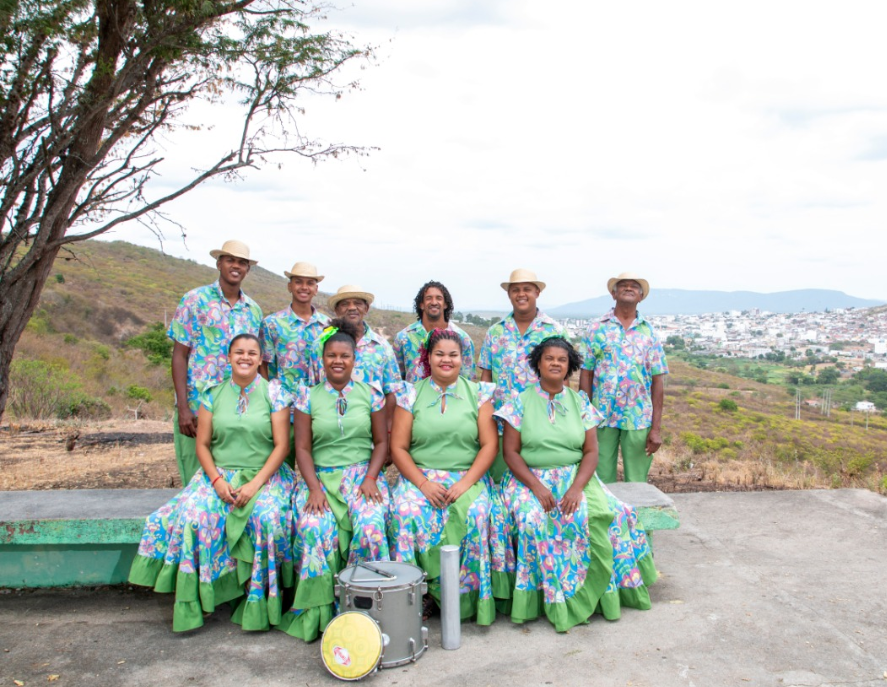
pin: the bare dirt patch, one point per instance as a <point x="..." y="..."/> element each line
<point x="139" y="454"/>
<point x="115" y="454"/>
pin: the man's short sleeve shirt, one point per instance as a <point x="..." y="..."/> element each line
<point x="624" y="362"/>
<point x="206" y="323"/>
<point x="506" y="353"/>
<point x="408" y="346"/>
<point x="286" y="343"/>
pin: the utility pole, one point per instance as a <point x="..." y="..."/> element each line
<point x="798" y="406"/>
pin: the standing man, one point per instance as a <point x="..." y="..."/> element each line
<point x="504" y="356"/>
<point x="434" y="306"/>
<point x="374" y="361"/>
<point x="288" y="335"/>
<point x="204" y="324"/>
<point x="622" y="374"/>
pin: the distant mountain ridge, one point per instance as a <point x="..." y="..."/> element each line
<point x="688" y="302"/>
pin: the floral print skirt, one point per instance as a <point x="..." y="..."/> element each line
<point x="188" y="547"/>
<point x="566" y="567"/>
<point x="353" y="530"/>
<point x="418" y="530"/>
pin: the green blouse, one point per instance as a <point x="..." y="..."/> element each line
<point x="448" y="440"/>
<point x="241" y="441"/>
<point x="346" y="439"/>
<point x="552" y="430"/>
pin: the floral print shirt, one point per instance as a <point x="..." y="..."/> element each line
<point x="205" y="322"/>
<point x="286" y="344"/>
<point x="374" y="363"/>
<point x="409" y="343"/>
<point x="624" y="362"/>
<point x="506" y="353"/>
<point x="512" y="410"/>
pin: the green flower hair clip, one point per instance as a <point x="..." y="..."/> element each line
<point x="327" y="334"/>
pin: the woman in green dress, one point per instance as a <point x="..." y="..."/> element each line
<point x="577" y="549"/>
<point x="341" y="499"/>
<point x="443" y="442"/>
<point x="226" y="536"/>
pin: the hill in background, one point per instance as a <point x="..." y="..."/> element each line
<point x="683" y="302"/>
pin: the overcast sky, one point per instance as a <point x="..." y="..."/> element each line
<point x="700" y="144"/>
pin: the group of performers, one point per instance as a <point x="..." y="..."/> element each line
<point x="538" y="530"/>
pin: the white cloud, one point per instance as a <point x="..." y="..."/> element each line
<point x="738" y="147"/>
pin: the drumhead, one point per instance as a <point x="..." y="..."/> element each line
<point x="351" y="646"/>
<point x="404" y="574"/>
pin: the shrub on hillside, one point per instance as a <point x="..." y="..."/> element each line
<point x="728" y="405"/>
<point x="138" y="393"/>
<point x="154" y="343"/>
<point x="41" y="390"/>
<point x="83" y="407"/>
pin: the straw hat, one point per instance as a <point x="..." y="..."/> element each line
<point x="520" y="276"/>
<point x="350" y="291"/>
<point x="237" y="249"/>
<point x="645" y="286"/>
<point x="304" y="269"/>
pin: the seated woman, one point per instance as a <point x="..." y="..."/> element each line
<point x="227" y="533"/>
<point x="576" y="548"/>
<point x="341" y="444"/>
<point x="443" y="441"/>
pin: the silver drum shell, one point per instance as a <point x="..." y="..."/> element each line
<point x="395" y="604"/>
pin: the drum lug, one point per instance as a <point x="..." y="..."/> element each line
<point x="425" y="636"/>
<point x="411" y="598"/>
<point x="377" y="595"/>
<point x="424" y="589"/>
<point x="337" y="590"/>
<point x="412" y="650"/>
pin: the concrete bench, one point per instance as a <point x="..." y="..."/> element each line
<point x="656" y="510"/>
<point x="89" y="537"/>
<point x="66" y="538"/>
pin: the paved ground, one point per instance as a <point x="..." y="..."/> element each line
<point x="777" y="588"/>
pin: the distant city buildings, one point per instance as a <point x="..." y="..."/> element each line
<point x="856" y="337"/>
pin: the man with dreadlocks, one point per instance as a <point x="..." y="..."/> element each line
<point x="433" y="305"/>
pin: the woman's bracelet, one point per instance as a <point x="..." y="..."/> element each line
<point x="218" y="477"/>
<point x="422" y="485"/>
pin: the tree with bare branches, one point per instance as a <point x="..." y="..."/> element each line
<point x="86" y="87"/>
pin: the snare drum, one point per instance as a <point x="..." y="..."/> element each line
<point x="351" y="646"/>
<point x="391" y="593"/>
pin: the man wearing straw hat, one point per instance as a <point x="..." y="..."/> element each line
<point x="623" y="375"/>
<point x="374" y="361"/>
<point x="204" y="324"/>
<point x="504" y="356"/>
<point x="288" y="335"/>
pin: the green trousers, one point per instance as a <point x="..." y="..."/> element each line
<point x="186" y="452"/>
<point x="635" y="461"/>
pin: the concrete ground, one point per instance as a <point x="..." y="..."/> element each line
<point x="774" y="588"/>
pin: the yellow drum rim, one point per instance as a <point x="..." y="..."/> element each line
<point x="351" y="646"/>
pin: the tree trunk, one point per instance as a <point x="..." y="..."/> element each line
<point x="17" y="303"/>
